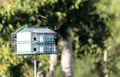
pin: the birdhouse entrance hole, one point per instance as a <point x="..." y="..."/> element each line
<point x="34" y="49"/>
<point x="34" y="38"/>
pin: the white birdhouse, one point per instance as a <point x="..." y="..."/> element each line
<point x="35" y="41"/>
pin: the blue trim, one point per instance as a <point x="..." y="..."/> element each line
<point x="33" y="42"/>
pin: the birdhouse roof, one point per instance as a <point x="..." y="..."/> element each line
<point x="35" y="30"/>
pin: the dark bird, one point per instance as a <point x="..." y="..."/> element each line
<point x="56" y="35"/>
<point x="41" y="17"/>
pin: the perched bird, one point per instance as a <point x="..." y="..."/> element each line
<point x="56" y="35"/>
<point x="41" y="17"/>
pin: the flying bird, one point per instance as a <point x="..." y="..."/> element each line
<point x="41" y="17"/>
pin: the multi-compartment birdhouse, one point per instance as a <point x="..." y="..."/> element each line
<point x="35" y="41"/>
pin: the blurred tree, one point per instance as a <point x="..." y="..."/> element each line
<point x="110" y="11"/>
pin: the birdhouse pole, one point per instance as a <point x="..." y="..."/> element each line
<point x="35" y="65"/>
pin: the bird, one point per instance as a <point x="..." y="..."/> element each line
<point x="41" y="17"/>
<point x="56" y="35"/>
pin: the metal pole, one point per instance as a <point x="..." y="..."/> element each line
<point x="35" y="65"/>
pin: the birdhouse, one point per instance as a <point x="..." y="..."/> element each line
<point x="34" y="41"/>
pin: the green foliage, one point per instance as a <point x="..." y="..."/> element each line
<point x="110" y="11"/>
<point x="95" y="25"/>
